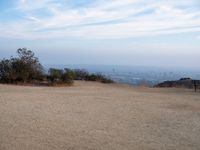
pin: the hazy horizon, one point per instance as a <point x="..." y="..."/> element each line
<point x="126" y="33"/>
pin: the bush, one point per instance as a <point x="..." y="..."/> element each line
<point x="6" y="71"/>
<point x="91" y="77"/>
<point x="98" y="77"/>
<point x="24" y="68"/>
<point x="60" y="76"/>
<point x="105" y="80"/>
<point x="80" y="74"/>
<point x="68" y="76"/>
<point x="55" y="74"/>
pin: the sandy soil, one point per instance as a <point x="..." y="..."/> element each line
<point x="94" y="116"/>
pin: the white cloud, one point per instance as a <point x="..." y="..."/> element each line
<point x="104" y="19"/>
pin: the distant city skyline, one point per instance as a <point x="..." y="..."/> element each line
<point x="114" y="32"/>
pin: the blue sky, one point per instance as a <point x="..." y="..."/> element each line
<point x="110" y="32"/>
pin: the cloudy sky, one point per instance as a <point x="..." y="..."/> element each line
<point x="111" y="32"/>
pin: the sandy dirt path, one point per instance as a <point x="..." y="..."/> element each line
<point x="94" y="116"/>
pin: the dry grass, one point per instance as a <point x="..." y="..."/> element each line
<point x="98" y="116"/>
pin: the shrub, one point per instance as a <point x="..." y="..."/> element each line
<point x="24" y="68"/>
<point x="98" y="77"/>
<point x="80" y="74"/>
<point x="60" y="76"/>
<point x="5" y="71"/>
<point x="68" y="76"/>
<point x="55" y="74"/>
<point x="105" y="80"/>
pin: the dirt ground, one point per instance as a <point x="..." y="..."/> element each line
<point x="94" y="116"/>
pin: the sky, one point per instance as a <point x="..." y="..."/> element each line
<point x="162" y="33"/>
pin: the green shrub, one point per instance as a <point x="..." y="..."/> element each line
<point x="98" y="77"/>
<point x="105" y="80"/>
<point x="55" y="74"/>
<point x="80" y="74"/>
<point x="24" y="68"/>
<point x="68" y="76"/>
<point x="60" y="76"/>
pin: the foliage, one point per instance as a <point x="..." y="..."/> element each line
<point x="68" y="75"/>
<point x="98" y="77"/>
<point x="55" y="74"/>
<point x="106" y="80"/>
<point x="24" y="68"/>
<point x="80" y="74"/>
<point x="6" y="71"/>
<point x="60" y="76"/>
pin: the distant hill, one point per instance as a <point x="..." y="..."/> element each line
<point x="183" y="82"/>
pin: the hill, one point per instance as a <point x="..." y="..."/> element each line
<point x="183" y="82"/>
